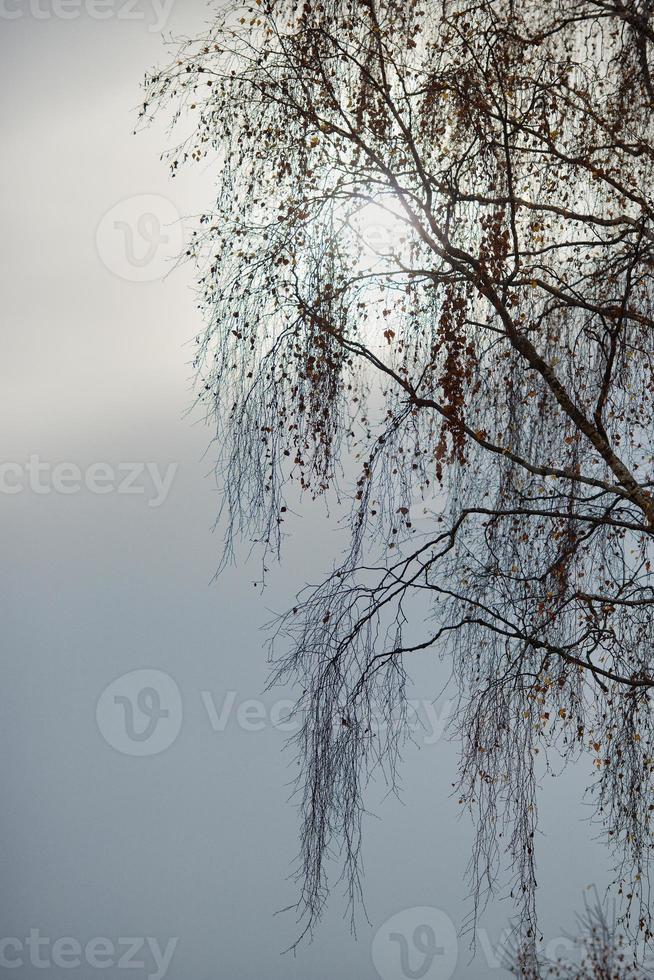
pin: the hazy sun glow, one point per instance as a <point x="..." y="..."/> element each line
<point x="381" y="231"/>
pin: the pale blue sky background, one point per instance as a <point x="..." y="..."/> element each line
<point x="195" y="842"/>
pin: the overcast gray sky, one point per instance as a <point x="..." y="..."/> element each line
<point x="159" y="808"/>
